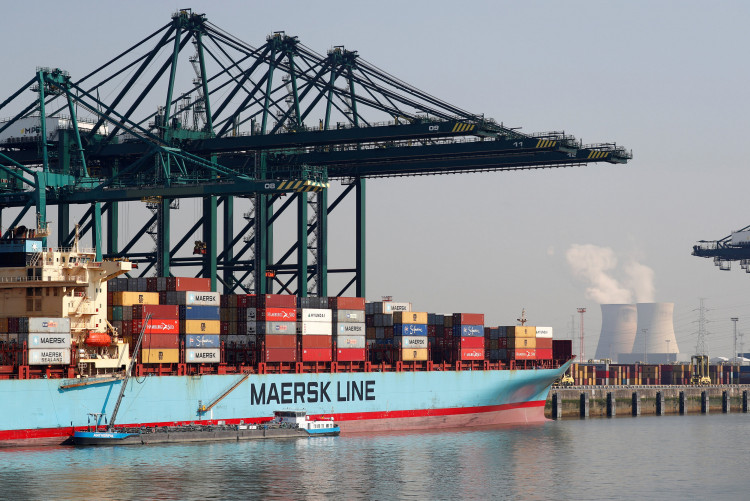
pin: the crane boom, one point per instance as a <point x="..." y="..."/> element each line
<point x="130" y="368"/>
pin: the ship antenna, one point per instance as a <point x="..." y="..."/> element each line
<point x="523" y="317"/>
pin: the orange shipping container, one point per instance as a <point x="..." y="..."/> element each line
<point x="517" y="343"/>
<point x="409" y="317"/>
<point x="202" y="327"/>
<point x="521" y="331"/>
<point x="157" y="356"/>
<point x="418" y="354"/>
<point x="128" y="298"/>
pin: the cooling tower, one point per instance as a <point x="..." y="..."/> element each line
<point x="618" y="330"/>
<point x="655" y="329"/>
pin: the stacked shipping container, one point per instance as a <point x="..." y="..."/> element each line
<point x="349" y="325"/>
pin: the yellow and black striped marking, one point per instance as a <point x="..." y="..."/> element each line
<point x="546" y="143"/>
<point x="302" y="186"/>
<point x="598" y="154"/>
<point x="462" y="127"/>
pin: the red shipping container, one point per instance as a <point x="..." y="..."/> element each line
<point x="431" y="330"/>
<point x="224" y="300"/>
<point x="189" y="284"/>
<point x="346" y="303"/>
<point x="468" y="319"/>
<point x="472" y="343"/>
<point x="277" y="315"/>
<point x="242" y="301"/>
<point x="157" y="341"/>
<point x="280" y="341"/>
<point x="281" y="354"/>
<point x="252" y="300"/>
<point x="544" y="343"/>
<point x="315" y="341"/>
<point x="350" y="354"/>
<point x="151" y="285"/>
<point x="275" y="301"/>
<point x="471" y="354"/>
<point x="524" y="354"/>
<point x="155" y="326"/>
<point x="502" y="343"/>
<point x="224" y="328"/>
<point x="110" y="298"/>
<point x="161" y="311"/>
<point x="317" y="355"/>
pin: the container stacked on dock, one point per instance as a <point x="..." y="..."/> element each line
<point x="544" y="343"/>
<point x="468" y="335"/>
<point x="47" y="339"/>
<point x="521" y="342"/>
<point x="201" y="327"/>
<point x="349" y="325"/>
<point x="276" y="326"/>
<point x="315" y="329"/>
<point x="161" y="338"/>
<point x="410" y="334"/>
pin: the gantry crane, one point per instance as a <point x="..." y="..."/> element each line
<point x="271" y="127"/>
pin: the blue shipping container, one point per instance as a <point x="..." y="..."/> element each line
<point x="468" y="330"/>
<point x="201" y="341"/>
<point x="196" y="312"/>
<point x="409" y="329"/>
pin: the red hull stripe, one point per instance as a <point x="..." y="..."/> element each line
<point x="31" y="434"/>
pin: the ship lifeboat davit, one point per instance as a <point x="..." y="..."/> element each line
<point x="98" y="339"/>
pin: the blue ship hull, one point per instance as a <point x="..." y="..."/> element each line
<point x="40" y="410"/>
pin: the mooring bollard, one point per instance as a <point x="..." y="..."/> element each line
<point x="725" y="403"/>
<point x="611" y="405"/>
<point x="659" y="403"/>
<point x="556" y="406"/>
<point x="683" y="407"/>
<point x="704" y="402"/>
<point x="636" y="404"/>
<point x="584" y="405"/>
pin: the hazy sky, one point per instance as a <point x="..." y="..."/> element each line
<point x="668" y="80"/>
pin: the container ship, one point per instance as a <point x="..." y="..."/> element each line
<point x="68" y="324"/>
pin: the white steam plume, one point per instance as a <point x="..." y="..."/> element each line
<point x="596" y="265"/>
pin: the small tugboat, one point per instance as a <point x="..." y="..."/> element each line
<point x="314" y="427"/>
<point x="285" y="424"/>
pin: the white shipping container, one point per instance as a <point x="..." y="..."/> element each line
<point x="49" y="356"/>
<point x="544" y="332"/>
<point x="741" y="238"/>
<point x="252" y="315"/>
<point x="351" y="316"/>
<point x="350" y="329"/>
<point x="202" y="356"/>
<point x="48" y="340"/>
<point x="277" y="328"/>
<point x="413" y="341"/>
<point x="252" y="327"/>
<point x="194" y="298"/>
<point x="47" y="324"/>
<point x="314" y="315"/>
<point x="387" y="307"/>
<point x="350" y="341"/>
<point x="315" y="328"/>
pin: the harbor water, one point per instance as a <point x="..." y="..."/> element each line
<point x="670" y="457"/>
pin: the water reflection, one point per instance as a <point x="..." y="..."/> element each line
<point x="594" y="459"/>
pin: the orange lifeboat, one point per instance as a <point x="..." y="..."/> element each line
<point x="98" y="339"/>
